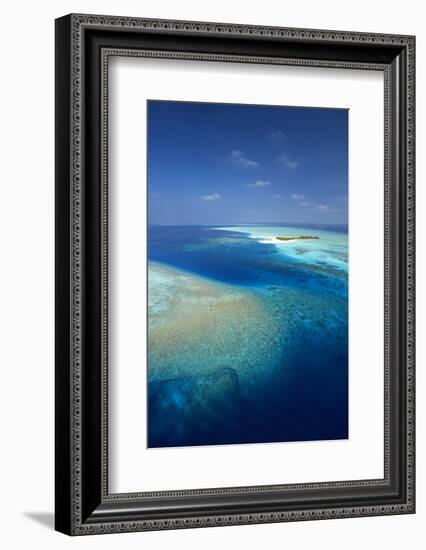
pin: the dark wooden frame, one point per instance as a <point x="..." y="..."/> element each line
<point x="83" y="46"/>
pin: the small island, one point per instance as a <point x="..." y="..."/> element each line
<point x="302" y="237"/>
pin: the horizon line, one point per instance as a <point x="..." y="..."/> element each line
<point x="250" y="223"/>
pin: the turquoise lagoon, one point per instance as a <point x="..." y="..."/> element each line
<point x="247" y="335"/>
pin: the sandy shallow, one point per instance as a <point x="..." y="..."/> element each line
<point x="330" y="250"/>
<point x="197" y="326"/>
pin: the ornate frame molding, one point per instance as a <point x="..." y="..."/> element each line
<point x="72" y="47"/>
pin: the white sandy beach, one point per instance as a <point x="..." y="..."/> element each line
<point x="274" y="240"/>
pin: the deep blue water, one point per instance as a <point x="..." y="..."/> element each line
<point x="303" y="394"/>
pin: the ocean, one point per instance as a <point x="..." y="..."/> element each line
<point x="247" y="335"/>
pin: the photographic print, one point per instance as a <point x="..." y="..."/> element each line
<point x="247" y="274"/>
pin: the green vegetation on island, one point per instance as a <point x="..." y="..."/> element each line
<point x="302" y="237"/>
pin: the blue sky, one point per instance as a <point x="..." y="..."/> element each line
<point x="211" y="163"/>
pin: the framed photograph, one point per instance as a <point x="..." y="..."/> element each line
<point x="234" y="274"/>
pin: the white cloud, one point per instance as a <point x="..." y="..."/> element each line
<point x="212" y="197"/>
<point x="297" y="197"/>
<point x="325" y="208"/>
<point x="343" y="198"/>
<point x="240" y="158"/>
<point x="305" y="203"/>
<point x="287" y="161"/>
<point x="259" y="183"/>
<point x="277" y="196"/>
<point x="277" y="136"/>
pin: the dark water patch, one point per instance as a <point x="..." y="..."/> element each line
<point x="212" y="410"/>
<point x="244" y="261"/>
